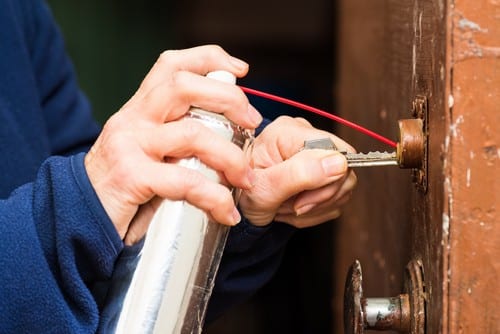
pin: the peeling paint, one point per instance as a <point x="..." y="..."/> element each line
<point x="414" y="62"/>
<point x="446" y="144"/>
<point x="451" y="101"/>
<point x="419" y="35"/>
<point x="417" y="42"/>
<point x="465" y="44"/>
<point x="454" y="127"/>
<point x="446" y="225"/>
<point x="455" y="130"/>
<point x="465" y="24"/>
<point x="491" y="152"/>
<point x="449" y="190"/>
<point x="468" y="177"/>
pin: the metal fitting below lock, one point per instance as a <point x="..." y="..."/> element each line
<point x="404" y="313"/>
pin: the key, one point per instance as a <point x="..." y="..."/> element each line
<point x="369" y="159"/>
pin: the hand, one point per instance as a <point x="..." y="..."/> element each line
<point x="128" y="165"/>
<point x="299" y="187"/>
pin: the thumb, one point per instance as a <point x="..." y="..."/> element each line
<point x="306" y="170"/>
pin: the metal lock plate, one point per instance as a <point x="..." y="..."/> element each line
<point x="420" y="110"/>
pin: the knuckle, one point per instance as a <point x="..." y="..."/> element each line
<point x="167" y="56"/>
<point x="214" y="50"/>
<point x="117" y="137"/>
<point x="284" y="119"/>
<point x="303" y="121"/>
<point x="192" y="131"/>
<point x="113" y="124"/>
<point x="179" y="79"/>
<point x="292" y="121"/>
<point x="225" y="200"/>
<point x="192" y="181"/>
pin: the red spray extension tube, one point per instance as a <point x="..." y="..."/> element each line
<point x="320" y="112"/>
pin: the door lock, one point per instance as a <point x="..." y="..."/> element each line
<point x="404" y="313"/>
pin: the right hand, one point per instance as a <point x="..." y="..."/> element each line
<point x="128" y="164"/>
<point x="302" y="188"/>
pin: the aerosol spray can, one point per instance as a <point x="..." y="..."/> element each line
<point x="164" y="287"/>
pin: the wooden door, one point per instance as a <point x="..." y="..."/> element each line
<point x="391" y="52"/>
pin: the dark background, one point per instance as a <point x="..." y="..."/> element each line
<point x="290" y="48"/>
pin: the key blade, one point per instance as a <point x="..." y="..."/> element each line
<point x="355" y="159"/>
<point x="371" y="159"/>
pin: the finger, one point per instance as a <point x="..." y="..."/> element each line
<point x="290" y="145"/>
<point x="309" y="200"/>
<point x="172" y="99"/>
<point x="309" y="220"/>
<point x="187" y="138"/>
<point x="307" y="170"/>
<point x="323" y="212"/>
<point x="200" y="60"/>
<point x="287" y="207"/>
<point x="313" y="197"/>
<point x="347" y="183"/>
<point x="179" y="183"/>
<point x="330" y="204"/>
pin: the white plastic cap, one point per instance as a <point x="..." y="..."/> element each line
<point x="223" y="76"/>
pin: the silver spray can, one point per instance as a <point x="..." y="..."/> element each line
<point x="165" y="287"/>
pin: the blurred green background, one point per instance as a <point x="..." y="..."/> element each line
<point x="290" y="48"/>
<point x="113" y="44"/>
<point x="288" y="44"/>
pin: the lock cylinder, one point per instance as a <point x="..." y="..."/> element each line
<point x="410" y="151"/>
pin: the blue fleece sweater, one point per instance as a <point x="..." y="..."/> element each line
<point x="56" y="241"/>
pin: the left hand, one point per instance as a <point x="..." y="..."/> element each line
<point x="302" y="188"/>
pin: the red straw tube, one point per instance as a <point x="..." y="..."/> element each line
<point x="338" y="119"/>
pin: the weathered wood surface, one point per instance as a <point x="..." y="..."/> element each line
<point x="391" y="51"/>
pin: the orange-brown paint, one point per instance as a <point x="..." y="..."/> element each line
<point x="449" y="51"/>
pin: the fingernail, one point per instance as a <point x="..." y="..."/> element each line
<point x="304" y="209"/>
<point x="236" y="216"/>
<point x="255" y="116"/>
<point x="334" y="165"/>
<point x="238" y="63"/>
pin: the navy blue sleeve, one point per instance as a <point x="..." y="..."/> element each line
<point x="67" y="112"/>
<point x="56" y="240"/>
